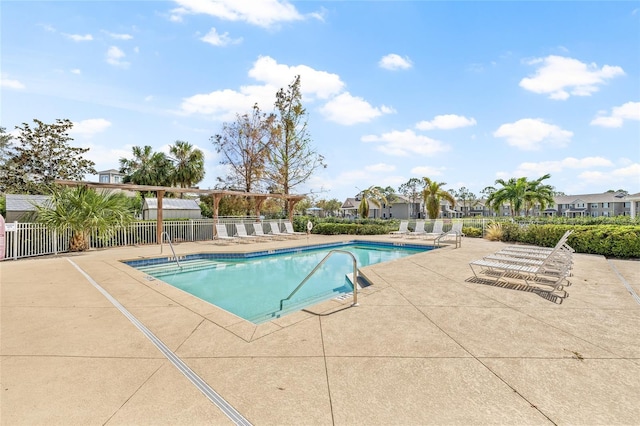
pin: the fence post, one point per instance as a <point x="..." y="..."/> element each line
<point x="483" y="226"/>
<point x="15" y="240"/>
<point x="55" y="242"/>
<point x="191" y="229"/>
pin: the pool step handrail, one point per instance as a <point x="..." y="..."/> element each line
<point x="332" y="252"/>
<point x="162" y="236"/>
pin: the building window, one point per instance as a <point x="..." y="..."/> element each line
<point x="605" y="213"/>
<point x="605" y="205"/>
<point x="594" y="205"/>
<point x="594" y="214"/>
<point x="117" y="179"/>
<point x="104" y="178"/>
<point x="580" y="205"/>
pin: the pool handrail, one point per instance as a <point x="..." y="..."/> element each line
<point x="170" y="245"/>
<point x="331" y="252"/>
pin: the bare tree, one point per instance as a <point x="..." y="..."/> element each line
<point x="292" y="160"/>
<point x="245" y="145"/>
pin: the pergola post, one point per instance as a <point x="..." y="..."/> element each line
<point x="216" y="205"/>
<point x="292" y="205"/>
<point x="159" y="225"/>
<point x="259" y="201"/>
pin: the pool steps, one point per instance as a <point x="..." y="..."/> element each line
<point x="187" y="265"/>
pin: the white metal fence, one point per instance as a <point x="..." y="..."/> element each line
<point x="34" y="239"/>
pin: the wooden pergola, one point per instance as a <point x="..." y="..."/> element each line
<point x="218" y="194"/>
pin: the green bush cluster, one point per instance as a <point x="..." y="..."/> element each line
<point x="608" y="240"/>
<point x="472" y="231"/>
<point x="350" y="229"/>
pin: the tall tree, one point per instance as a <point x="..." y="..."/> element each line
<point x="467" y="197"/>
<point x="83" y="209"/>
<point x="292" y="160"/>
<point x="512" y="192"/>
<point x="372" y="195"/>
<point x="245" y="145"/>
<point x="432" y="194"/>
<point x="538" y="193"/>
<point x="188" y="164"/>
<point x="412" y="190"/>
<point x="147" y="167"/>
<point x="42" y="155"/>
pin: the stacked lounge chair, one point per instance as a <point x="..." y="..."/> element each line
<point x="535" y="266"/>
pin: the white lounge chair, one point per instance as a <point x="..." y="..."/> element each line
<point x="436" y="231"/>
<point x="221" y="233"/>
<point x="275" y="230"/>
<point x="259" y="232"/>
<point x="546" y="274"/>
<point x="418" y="231"/>
<point x="241" y="232"/>
<point x="403" y="230"/>
<point x="288" y="229"/>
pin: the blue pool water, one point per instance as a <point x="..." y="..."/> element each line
<point x="252" y="285"/>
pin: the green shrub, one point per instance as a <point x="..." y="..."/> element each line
<point x="350" y="229"/>
<point x="472" y="232"/>
<point x="607" y="240"/>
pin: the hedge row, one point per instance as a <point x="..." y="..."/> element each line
<point x="608" y="240"/>
<point x="350" y="229"/>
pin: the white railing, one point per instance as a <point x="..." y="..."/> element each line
<point x="34" y="239"/>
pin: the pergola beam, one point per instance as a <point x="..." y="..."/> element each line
<point x="292" y="199"/>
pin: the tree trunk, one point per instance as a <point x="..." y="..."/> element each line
<point x="79" y="241"/>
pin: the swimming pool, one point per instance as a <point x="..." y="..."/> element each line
<point x="252" y="285"/>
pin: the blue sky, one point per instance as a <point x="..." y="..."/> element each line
<point x="461" y="92"/>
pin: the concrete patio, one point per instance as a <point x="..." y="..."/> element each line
<point x="425" y="346"/>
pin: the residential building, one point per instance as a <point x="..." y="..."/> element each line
<point x="22" y="207"/>
<point x="110" y="176"/>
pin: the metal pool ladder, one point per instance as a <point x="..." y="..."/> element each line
<point x="170" y="245"/>
<point x="332" y="252"/>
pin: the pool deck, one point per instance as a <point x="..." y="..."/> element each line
<point x="425" y="346"/>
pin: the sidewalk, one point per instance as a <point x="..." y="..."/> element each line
<point x="425" y="346"/>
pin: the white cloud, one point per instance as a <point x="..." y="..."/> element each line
<point x="262" y="13"/>
<point x="347" y="110"/>
<point x="380" y="167"/>
<point x="78" y="37"/>
<point x="448" y="121"/>
<point x="631" y="171"/>
<point x="315" y="83"/>
<point x="76" y="71"/>
<point x="427" y="171"/>
<point x="561" y="77"/>
<point x="216" y="39"/>
<point x="224" y="104"/>
<point x="115" y="57"/>
<point x="530" y="134"/>
<point x="395" y="62"/>
<point x="10" y="83"/>
<point x="629" y="175"/>
<point x="405" y="143"/>
<point x="531" y="169"/>
<point x="90" y="127"/>
<point x="628" y="111"/>
<point x="117" y="36"/>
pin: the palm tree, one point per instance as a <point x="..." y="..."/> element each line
<point x="537" y="193"/>
<point x="147" y="167"/>
<point x="513" y="192"/>
<point x="432" y="194"/>
<point x="374" y="195"/>
<point x="83" y="209"/>
<point x="188" y="164"/>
